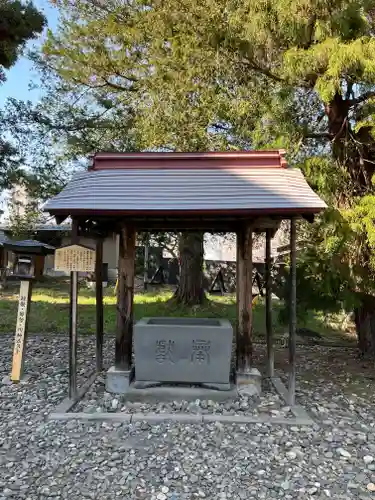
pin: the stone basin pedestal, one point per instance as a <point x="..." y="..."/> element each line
<point x="186" y="351"/>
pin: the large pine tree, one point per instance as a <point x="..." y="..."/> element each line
<point x="212" y="74"/>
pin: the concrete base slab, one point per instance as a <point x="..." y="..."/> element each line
<point x="117" y="381"/>
<point x="298" y="411"/>
<point x="217" y="387"/>
<point x="280" y="388"/>
<point x="179" y="393"/>
<point x="249" y="390"/>
<point x="67" y="404"/>
<point x="87" y="417"/>
<point x="250" y="377"/>
<point x="157" y="418"/>
<point x="147" y="384"/>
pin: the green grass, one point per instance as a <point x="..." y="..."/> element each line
<point x="49" y="311"/>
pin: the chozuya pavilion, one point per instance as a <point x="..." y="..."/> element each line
<point x="245" y="192"/>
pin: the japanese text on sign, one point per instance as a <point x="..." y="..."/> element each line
<point x="75" y="258"/>
<point x="20" y="335"/>
<point x="164" y="351"/>
<point x="201" y="351"/>
<point x="20" y="328"/>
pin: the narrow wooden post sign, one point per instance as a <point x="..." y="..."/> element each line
<point x="21" y="330"/>
<point x="74" y="258"/>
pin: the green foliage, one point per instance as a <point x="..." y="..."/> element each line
<point x="22" y="219"/>
<point x="208" y="74"/>
<point x="9" y="165"/>
<point x="20" y="22"/>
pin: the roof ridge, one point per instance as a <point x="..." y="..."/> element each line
<point x="196" y="160"/>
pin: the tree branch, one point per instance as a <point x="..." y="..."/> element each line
<point x="362" y="98"/>
<point x="129" y="78"/>
<point x="263" y="71"/>
<point x="309" y="84"/>
<point x="116" y="86"/>
<point x="318" y="135"/>
<point x="310" y="32"/>
<point x="219" y="126"/>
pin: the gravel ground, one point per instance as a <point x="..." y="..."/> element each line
<point x="269" y="404"/>
<point x="73" y="460"/>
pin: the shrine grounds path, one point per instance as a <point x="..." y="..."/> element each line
<point x="42" y="459"/>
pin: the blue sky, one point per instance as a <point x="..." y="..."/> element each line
<point x="21" y="74"/>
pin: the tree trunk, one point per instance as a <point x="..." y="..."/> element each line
<point x="125" y="292"/>
<point x="190" y="290"/>
<point x="355" y="151"/>
<point x="364" y="317"/>
<point x="244" y="282"/>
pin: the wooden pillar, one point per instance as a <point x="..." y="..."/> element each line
<point x="146" y="262"/>
<point x="244" y="298"/>
<point x="3" y="265"/>
<point x="73" y="341"/>
<point x="99" y="303"/>
<point x="125" y="291"/>
<point x="292" y="313"/>
<point x="269" y="333"/>
<point x="39" y="266"/>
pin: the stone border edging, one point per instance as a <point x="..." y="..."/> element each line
<point x="62" y="413"/>
<point x="67" y="404"/>
<point x="157" y="418"/>
<point x="298" y="411"/>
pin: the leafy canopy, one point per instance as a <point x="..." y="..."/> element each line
<point x="212" y="74"/>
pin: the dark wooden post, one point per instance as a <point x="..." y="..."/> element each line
<point x="270" y="346"/>
<point x="145" y="264"/>
<point x="99" y="303"/>
<point x="124" y="334"/>
<point x="244" y="298"/>
<point x="292" y="313"/>
<point x="73" y="321"/>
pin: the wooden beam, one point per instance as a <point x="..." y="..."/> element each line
<point x="125" y="291"/>
<point x="91" y="226"/>
<point x="99" y="303"/>
<point x="244" y="298"/>
<point x="221" y="224"/>
<point x="189" y="226"/>
<point x="73" y="341"/>
<point x="292" y="313"/>
<point x="268" y="280"/>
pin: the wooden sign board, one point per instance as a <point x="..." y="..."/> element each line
<point x="21" y="330"/>
<point x="75" y="258"/>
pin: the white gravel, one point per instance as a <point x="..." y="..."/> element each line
<point x="74" y="460"/>
<point x="269" y="404"/>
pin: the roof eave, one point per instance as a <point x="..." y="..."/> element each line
<point x="288" y="212"/>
